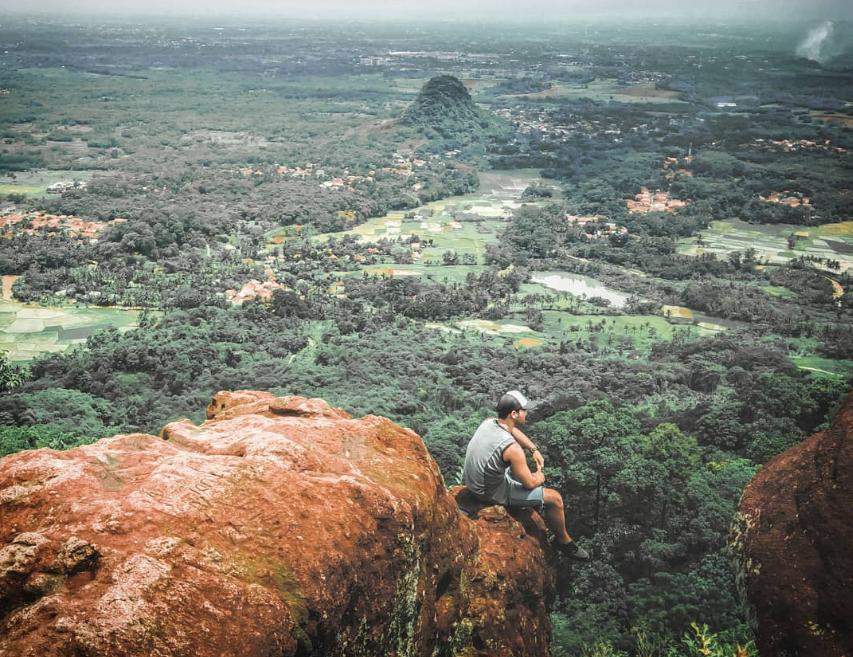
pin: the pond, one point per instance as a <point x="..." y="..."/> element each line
<point x="581" y="286"/>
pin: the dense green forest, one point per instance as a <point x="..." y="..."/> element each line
<point x="705" y="182"/>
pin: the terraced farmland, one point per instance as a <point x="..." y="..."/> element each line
<point x="770" y="242"/>
<point x="27" y="330"/>
<point x="464" y="224"/>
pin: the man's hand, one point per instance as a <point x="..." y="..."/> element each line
<point x="539" y="460"/>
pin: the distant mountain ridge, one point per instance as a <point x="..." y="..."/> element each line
<point x="444" y="109"/>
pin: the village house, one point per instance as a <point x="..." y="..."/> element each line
<point x="658" y="201"/>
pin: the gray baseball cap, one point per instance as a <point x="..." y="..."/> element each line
<point x="524" y="402"/>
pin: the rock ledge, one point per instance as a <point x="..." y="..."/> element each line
<point x="281" y="526"/>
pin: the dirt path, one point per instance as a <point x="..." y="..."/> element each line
<point x="837" y="288"/>
<point x="8" y="282"/>
<point x="817" y="369"/>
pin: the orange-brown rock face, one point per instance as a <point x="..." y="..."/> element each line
<point x="793" y="542"/>
<point x="281" y="526"/>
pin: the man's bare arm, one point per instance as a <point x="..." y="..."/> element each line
<point x="526" y="443"/>
<point x="514" y="455"/>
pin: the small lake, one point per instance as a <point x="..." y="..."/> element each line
<point x="581" y="286"/>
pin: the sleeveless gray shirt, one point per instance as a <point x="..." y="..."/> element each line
<point x="485" y="470"/>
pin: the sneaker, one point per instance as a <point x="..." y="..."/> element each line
<point x="573" y="551"/>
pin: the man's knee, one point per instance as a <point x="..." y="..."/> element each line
<point x="553" y="498"/>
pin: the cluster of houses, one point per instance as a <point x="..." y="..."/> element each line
<point x="253" y="290"/>
<point x="677" y="166"/>
<point x="37" y="222"/>
<point x="528" y="121"/>
<point x="657" y="201"/>
<point x="539" y="121"/>
<point x="65" y="185"/>
<point x="402" y="166"/>
<point x="596" y="226"/>
<point x="791" y="199"/>
<point x="792" y="145"/>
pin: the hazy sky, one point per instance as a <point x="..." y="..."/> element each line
<point x="792" y="10"/>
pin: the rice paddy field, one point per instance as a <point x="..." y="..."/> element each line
<point x="438" y="272"/>
<point x="639" y="331"/>
<point x="27" y="330"/>
<point x="770" y="241"/>
<point x="607" y="89"/>
<point x="464" y="224"/>
<point x="35" y="183"/>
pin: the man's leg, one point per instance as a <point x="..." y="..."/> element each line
<point x="555" y="518"/>
<point x="555" y="515"/>
<point x="550" y="504"/>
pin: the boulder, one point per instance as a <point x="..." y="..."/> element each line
<point x="793" y="546"/>
<point x="280" y="526"/>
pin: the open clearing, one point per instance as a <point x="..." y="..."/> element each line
<point x="783" y="292"/>
<point x="35" y="183"/>
<point x="607" y="89"/>
<point x="677" y="313"/>
<point x="607" y="331"/>
<point x="8" y="282"/>
<point x="825" y="366"/>
<point x="833" y="117"/>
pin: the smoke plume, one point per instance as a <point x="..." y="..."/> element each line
<point x="818" y="43"/>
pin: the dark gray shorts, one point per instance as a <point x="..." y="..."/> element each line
<point x="521" y="497"/>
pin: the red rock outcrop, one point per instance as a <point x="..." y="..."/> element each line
<point x="793" y="542"/>
<point x="281" y="526"/>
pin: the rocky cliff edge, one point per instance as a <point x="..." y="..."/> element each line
<point x="793" y="545"/>
<point x="280" y="526"/>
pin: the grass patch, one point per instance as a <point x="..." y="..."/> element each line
<point x="841" y="229"/>
<point x="528" y="343"/>
<point x="825" y="366"/>
<point x="614" y="332"/>
<point x="608" y="330"/>
<point x="779" y="291"/>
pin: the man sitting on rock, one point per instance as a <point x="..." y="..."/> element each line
<point x="496" y="471"/>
